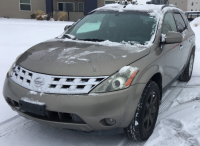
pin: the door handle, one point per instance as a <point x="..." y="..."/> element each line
<point x="181" y="47"/>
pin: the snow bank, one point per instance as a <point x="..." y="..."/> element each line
<point x="195" y="22"/>
<point x="180" y="126"/>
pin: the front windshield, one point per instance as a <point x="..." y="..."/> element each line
<point x="114" y="26"/>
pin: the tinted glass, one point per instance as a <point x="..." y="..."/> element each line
<point x="180" y="22"/>
<point x="185" y="18"/>
<point x="25" y="7"/>
<point x="25" y="1"/>
<point x="137" y="27"/>
<point x="80" y="7"/>
<point x="91" y="25"/>
<point x="169" y="24"/>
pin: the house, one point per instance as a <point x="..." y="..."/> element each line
<point x="185" y="5"/>
<point x="192" y="5"/>
<point x="25" y="8"/>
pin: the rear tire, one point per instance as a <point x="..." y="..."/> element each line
<point x="143" y="123"/>
<point x="187" y="73"/>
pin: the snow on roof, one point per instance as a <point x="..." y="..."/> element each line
<point x="121" y="8"/>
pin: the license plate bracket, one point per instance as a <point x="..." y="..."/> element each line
<point x="32" y="108"/>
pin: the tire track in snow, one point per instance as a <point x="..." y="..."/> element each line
<point x="14" y="124"/>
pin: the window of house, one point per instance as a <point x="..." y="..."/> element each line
<point x="66" y="7"/>
<point x="175" y="3"/>
<point x="169" y="24"/>
<point x="109" y="2"/>
<point x="80" y="7"/>
<point x="25" y="5"/>
<point x="192" y="3"/>
<point x="180" y="22"/>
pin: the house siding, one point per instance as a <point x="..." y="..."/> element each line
<point x="182" y="4"/>
<point x="195" y="7"/>
<point x="10" y="8"/>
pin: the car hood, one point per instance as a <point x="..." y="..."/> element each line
<point x="79" y="58"/>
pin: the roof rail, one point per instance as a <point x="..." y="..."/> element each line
<point x="168" y="6"/>
<point x="126" y="2"/>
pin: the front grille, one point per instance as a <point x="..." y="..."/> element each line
<point x="50" y="115"/>
<point x="54" y="84"/>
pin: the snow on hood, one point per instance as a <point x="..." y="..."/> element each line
<point x="68" y="58"/>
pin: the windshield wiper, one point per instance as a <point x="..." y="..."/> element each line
<point x="93" y="40"/>
<point x="69" y="36"/>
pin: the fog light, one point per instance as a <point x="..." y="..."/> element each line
<point x="110" y="121"/>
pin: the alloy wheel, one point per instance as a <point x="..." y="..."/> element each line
<point x="150" y="111"/>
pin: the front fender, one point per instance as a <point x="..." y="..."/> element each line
<point x="146" y="74"/>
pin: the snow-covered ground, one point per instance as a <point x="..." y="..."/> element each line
<point x="179" y="116"/>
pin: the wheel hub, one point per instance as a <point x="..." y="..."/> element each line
<point x="150" y="111"/>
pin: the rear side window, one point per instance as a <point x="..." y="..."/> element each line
<point x="185" y="18"/>
<point x="169" y="24"/>
<point x="180" y="22"/>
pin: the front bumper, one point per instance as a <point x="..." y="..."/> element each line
<point x="118" y="105"/>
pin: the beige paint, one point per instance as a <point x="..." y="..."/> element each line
<point x="10" y="8"/>
<point x="74" y="16"/>
<point x="182" y="4"/>
<point x="195" y="7"/>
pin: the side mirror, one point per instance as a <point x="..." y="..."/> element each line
<point x="172" y="37"/>
<point x="67" y="26"/>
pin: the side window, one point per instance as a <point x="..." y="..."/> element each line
<point x="169" y="24"/>
<point x="185" y="19"/>
<point x="179" y="22"/>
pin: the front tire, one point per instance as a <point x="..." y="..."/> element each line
<point x="187" y="73"/>
<point x="143" y="123"/>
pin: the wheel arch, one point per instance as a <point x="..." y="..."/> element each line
<point x="152" y="74"/>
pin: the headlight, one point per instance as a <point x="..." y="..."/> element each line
<point x="13" y="65"/>
<point x="118" y="81"/>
